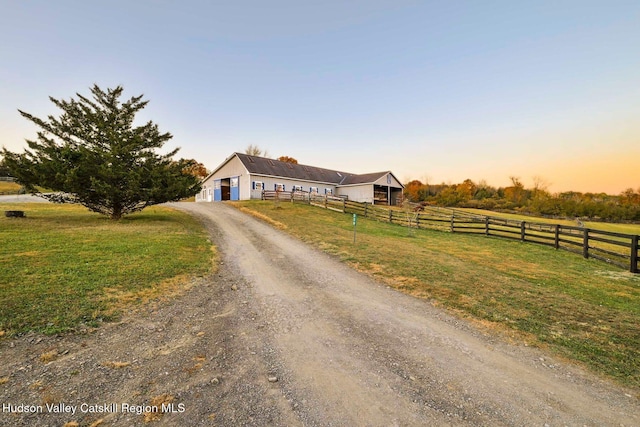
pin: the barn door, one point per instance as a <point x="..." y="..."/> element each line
<point x="217" y="190"/>
<point x="235" y="189"/>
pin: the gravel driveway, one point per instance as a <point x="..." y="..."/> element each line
<point x="22" y="198"/>
<point x="286" y="335"/>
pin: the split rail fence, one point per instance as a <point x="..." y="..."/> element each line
<point x="615" y="248"/>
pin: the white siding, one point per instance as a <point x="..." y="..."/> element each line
<point x="270" y="182"/>
<point x="385" y="181"/>
<point x="232" y="168"/>
<point x="358" y="193"/>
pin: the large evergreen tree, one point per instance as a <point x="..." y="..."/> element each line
<point x="94" y="155"/>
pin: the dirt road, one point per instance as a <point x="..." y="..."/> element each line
<point x="285" y="335"/>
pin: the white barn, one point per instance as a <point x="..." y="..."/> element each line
<point x="244" y="177"/>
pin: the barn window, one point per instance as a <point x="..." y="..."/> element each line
<point x="313" y="190"/>
<point x="278" y="187"/>
<point x="328" y="191"/>
<point x="297" y="188"/>
<point x="257" y="185"/>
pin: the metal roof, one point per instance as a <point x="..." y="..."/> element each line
<point x="270" y="167"/>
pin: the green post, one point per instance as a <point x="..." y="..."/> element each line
<point x="355" y="222"/>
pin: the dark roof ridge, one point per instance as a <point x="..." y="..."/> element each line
<point x="276" y="168"/>
<point x="298" y="164"/>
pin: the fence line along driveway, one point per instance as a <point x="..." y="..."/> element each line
<point x="338" y="348"/>
<point x="619" y="249"/>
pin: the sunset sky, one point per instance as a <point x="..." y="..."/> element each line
<point x="435" y="90"/>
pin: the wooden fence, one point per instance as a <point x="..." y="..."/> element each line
<point x="615" y="248"/>
<point x="301" y="196"/>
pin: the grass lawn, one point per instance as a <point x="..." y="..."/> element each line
<point x="7" y="187"/>
<point x="62" y="265"/>
<point x="582" y="309"/>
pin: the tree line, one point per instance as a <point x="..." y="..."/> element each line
<point x="536" y="200"/>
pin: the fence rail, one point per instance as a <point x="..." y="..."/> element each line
<point x="614" y="248"/>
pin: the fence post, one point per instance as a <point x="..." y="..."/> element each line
<point x="365" y="209"/>
<point x="344" y="205"/>
<point x="556" y="243"/>
<point x="452" y="219"/>
<point x="522" y="232"/>
<point x="585" y="243"/>
<point x="325" y="201"/>
<point x="390" y="216"/>
<point x="634" y="254"/>
<point x="486" y="225"/>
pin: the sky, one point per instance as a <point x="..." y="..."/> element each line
<point x="438" y="91"/>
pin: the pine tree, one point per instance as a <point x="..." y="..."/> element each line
<point x="94" y="155"/>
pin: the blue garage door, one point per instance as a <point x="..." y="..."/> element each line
<point x="235" y="189"/>
<point x="217" y="190"/>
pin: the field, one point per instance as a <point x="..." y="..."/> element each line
<point x="62" y="266"/>
<point x="584" y="310"/>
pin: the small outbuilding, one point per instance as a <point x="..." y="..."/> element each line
<point x="244" y="177"/>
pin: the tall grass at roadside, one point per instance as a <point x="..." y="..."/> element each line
<point x="582" y="309"/>
<point x="62" y="265"/>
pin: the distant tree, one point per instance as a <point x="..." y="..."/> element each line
<point x="412" y="190"/>
<point x="630" y="197"/>
<point x="539" y="185"/>
<point x="449" y="196"/>
<point x="196" y="169"/>
<point x="93" y="155"/>
<point x="516" y="193"/>
<point x="254" y="150"/>
<point x="467" y="189"/>
<point x="484" y="190"/>
<point x="288" y="159"/>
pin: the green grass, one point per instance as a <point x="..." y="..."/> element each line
<point x="582" y="309"/>
<point x="62" y="265"/>
<point x="7" y="187"/>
